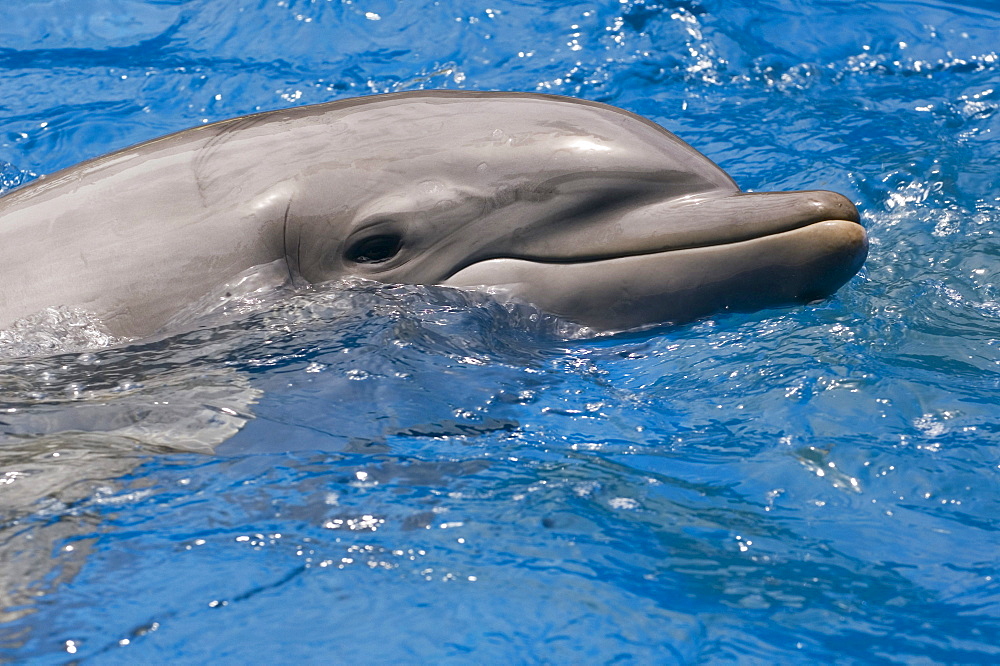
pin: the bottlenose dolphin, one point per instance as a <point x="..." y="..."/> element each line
<point x="583" y="209"/>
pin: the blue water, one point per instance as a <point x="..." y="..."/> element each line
<point x="402" y="474"/>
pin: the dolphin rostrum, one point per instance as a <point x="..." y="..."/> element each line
<point x="583" y="209"/>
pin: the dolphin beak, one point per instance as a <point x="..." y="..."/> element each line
<point x="680" y="224"/>
<point x="745" y="216"/>
<point x="741" y="252"/>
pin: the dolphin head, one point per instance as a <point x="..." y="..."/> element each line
<point x="583" y="209"/>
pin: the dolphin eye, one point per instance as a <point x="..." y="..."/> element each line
<point x="375" y="249"/>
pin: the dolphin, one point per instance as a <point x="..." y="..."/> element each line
<point x="585" y="210"/>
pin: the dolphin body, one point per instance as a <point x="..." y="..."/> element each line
<point x="583" y="209"/>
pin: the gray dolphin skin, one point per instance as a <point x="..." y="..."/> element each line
<point x="585" y="210"/>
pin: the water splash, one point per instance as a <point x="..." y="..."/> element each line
<point x="55" y="330"/>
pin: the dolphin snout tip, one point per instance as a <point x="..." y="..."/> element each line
<point x="847" y="243"/>
<point x="829" y="205"/>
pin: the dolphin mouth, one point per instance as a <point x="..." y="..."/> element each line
<point x="748" y="216"/>
<point x="680" y="284"/>
<point x="676" y="224"/>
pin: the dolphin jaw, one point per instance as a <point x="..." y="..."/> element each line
<point x="680" y="285"/>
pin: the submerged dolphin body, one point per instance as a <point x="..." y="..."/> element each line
<point x="585" y="210"/>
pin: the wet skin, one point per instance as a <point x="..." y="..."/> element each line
<point x="585" y="210"/>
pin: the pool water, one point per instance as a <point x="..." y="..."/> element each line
<point x="364" y="473"/>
